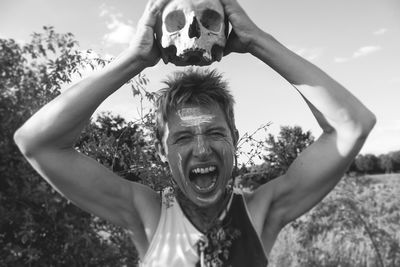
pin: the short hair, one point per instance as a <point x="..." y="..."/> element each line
<point x="194" y="86"/>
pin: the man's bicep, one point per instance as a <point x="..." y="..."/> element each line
<point x="311" y="177"/>
<point x="88" y="184"/>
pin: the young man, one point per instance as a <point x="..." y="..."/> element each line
<point x="197" y="138"/>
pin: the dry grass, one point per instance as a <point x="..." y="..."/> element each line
<point x="343" y="228"/>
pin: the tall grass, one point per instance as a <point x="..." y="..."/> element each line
<point x="357" y="224"/>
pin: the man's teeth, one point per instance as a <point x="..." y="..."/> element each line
<point x="208" y="181"/>
<point x="214" y="181"/>
<point x="204" y="170"/>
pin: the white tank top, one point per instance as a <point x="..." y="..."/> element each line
<point x="174" y="242"/>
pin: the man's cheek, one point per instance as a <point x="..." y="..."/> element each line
<point x="175" y="165"/>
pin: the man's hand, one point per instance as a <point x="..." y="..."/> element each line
<point x="244" y="30"/>
<point x="143" y="45"/>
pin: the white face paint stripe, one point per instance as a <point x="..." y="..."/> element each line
<point x="194" y="116"/>
<point x="165" y="138"/>
<point x="181" y="169"/>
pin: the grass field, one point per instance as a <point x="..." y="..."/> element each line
<point x="357" y="224"/>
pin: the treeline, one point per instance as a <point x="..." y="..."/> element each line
<point x="278" y="152"/>
<point x="372" y="164"/>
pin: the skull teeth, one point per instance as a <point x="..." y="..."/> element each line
<point x="196" y="49"/>
<point x="204" y="170"/>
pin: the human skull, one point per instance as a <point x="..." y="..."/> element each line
<point x="192" y="32"/>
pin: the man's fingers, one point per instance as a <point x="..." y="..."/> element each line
<point x="228" y="2"/>
<point x="231" y="7"/>
<point x="229" y="43"/>
<point x="154" y="7"/>
<point x="152" y="11"/>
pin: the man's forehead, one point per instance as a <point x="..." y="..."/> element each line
<point x="194" y="116"/>
<point x="187" y="112"/>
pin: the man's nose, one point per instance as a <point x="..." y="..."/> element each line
<point x="202" y="148"/>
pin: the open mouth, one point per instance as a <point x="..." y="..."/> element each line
<point x="204" y="179"/>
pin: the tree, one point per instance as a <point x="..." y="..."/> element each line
<point x="284" y="149"/>
<point x="352" y="170"/>
<point x="395" y="156"/>
<point x="256" y="176"/>
<point x="385" y="163"/>
<point x="281" y="152"/>
<point x="37" y="226"/>
<point x="367" y="163"/>
<point x="125" y="148"/>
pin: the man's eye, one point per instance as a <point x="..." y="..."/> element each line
<point x="182" y="138"/>
<point x="217" y="134"/>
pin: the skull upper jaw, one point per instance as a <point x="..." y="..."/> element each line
<point x="198" y="57"/>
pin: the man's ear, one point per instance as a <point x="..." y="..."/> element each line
<point x="161" y="152"/>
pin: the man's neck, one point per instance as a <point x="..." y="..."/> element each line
<point x="203" y="218"/>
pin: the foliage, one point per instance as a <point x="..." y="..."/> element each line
<point x="370" y="164"/>
<point x="213" y="248"/>
<point x="396" y="159"/>
<point x="284" y="149"/>
<point x="37" y="226"/>
<point x="249" y="147"/>
<point x="356" y="225"/>
<point x="125" y="148"/>
<point x="366" y="163"/>
<point x="280" y="153"/>
<point x="256" y="175"/>
<point x="386" y="163"/>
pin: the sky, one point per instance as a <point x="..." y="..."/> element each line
<point x="357" y="42"/>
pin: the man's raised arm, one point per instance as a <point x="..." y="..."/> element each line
<point x="345" y="122"/>
<point x="47" y="138"/>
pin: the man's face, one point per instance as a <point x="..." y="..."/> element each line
<point x="199" y="148"/>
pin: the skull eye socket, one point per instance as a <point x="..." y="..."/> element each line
<point x="175" y="21"/>
<point x="211" y="20"/>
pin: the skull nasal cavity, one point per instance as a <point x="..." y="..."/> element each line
<point x="194" y="29"/>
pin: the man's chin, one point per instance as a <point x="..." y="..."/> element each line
<point x="207" y="200"/>
<point x="201" y="199"/>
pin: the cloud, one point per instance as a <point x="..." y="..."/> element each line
<point x="119" y="31"/>
<point x="381" y="31"/>
<point x="104" y="10"/>
<point x="366" y="50"/>
<point x="394" y="80"/>
<point x="360" y="52"/>
<point x="341" y="59"/>
<point x="312" y="53"/>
